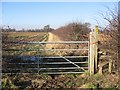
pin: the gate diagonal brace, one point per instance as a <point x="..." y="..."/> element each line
<point x="73" y="63"/>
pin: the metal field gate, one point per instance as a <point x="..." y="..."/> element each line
<point x="48" y="58"/>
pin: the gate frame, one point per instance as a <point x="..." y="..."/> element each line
<point x="59" y="42"/>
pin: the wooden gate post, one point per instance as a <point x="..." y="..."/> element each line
<point x="93" y="51"/>
<point x="91" y="68"/>
<point x="96" y="48"/>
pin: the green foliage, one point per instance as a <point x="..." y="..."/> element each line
<point x="22" y="37"/>
<point x="98" y="77"/>
<point x="118" y="84"/>
<point x="91" y="85"/>
<point x="7" y="83"/>
<point x="86" y="73"/>
<point x="70" y="84"/>
<point x="71" y="75"/>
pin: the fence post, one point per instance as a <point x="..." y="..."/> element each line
<point x="91" y="53"/>
<point x="96" y="48"/>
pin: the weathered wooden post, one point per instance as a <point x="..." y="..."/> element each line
<point x="96" y="48"/>
<point x="93" y="50"/>
<point x="91" y="69"/>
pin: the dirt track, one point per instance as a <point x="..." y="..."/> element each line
<point x="52" y="38"/>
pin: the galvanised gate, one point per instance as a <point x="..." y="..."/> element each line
<point x="74" y="59"/>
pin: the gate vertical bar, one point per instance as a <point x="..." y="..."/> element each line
<point x="38" y="66"/>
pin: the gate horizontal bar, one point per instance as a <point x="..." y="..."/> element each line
<point x="43" y="56"/>
<point x="45" y="73"/>
<point x="45" y="68"/>
<point x="57" y="57"/>
<point x="22" y="63"/>
<point x="61" y="42"/>
<point x="63" y="63"/>
<point x="66" y="57"/>
<point x="63" y="68"/>
<point x="62" y="73"/>
<point x="36" y="73"/>
<point x="21" y="68"/>
<point x="49" y="63"/>
<point x="44" y="49"/>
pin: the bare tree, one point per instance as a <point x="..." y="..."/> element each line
<point x="74" y="31"/>
<point x="78" y="31"/>
<point x="112" y="31"/>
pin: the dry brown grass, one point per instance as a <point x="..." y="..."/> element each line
<point x="29" y="34"/>
<point x="24" y="36"/>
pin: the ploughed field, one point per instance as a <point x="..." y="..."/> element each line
<point x="17" y="49"/>
<point x="24" y="36"/>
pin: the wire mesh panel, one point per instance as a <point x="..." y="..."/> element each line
<point x="46" y="57"/>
